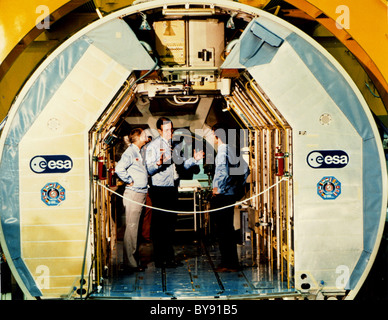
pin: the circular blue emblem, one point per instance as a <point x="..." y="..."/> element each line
<point x="329" y="188"/>
<point x="53" y="194"/>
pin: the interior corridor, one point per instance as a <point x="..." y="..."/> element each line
<point x="197" y="278"/>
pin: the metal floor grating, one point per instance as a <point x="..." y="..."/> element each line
<point x="197" y="279"/>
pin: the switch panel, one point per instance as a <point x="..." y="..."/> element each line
<point x="171" y="41"/>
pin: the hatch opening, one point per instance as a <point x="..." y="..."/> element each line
<point x="264" y="223"/>
<point x="192" y="90"/>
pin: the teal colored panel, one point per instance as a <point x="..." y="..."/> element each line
<point x="258" y="46"/>
<point x="117" y="40"/>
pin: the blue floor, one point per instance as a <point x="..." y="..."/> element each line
<point x="197" y="279"/>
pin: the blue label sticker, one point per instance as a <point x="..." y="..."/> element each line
<point x="51" y="164"/>
<point x="324" y="159"/>
<point x="53" y="194"/>
<point x="329" y="188"/>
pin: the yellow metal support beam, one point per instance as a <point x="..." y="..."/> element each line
<point x="18" y="18"/>
<point x="21" y="23"/>
<point x="362" y="27"/>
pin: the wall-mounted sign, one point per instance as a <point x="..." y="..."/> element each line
<point x="51" y="164"/>
<point x="327" y="159"/>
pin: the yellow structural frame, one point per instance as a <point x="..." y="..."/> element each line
<point x="364" y="31"/>
<point x="361" y="26"/>
<point x="21" y="22"/>
<point x="18" y="18"/>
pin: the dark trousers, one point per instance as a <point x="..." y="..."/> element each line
<point x="225" y="232"/>
<point x="163" y="223"/>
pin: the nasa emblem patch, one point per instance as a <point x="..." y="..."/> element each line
<point x="329" y="188"/>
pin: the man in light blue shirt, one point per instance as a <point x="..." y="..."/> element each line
<point x="132" y="171"/>
<point x="229" y="178"/>
<point x="162" y="158"/>
<point x="231" y="172"/>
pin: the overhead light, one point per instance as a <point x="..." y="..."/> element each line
<point x="230" y="23"/>
<point x="189" y="12"/>
<point x="144" y="24"/>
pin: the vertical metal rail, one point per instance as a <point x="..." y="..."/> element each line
<point x="102" y="227"/>
<point x="284" y="219"/>
<point x="97" y="233"/>
<point x="95" y="248"/>
<point x="276" y="199"/>
<point x="257" y="183"/>
<point x="289" y="218"/>
<point x="272" y="200"/>
<point x="274" y="234"/>
<point x="113" y="261"/>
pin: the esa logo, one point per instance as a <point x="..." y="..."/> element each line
<point x="324" y="159"/>
<point x="51" y="164"/>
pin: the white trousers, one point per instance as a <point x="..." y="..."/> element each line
<point x="132" y="217"/>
